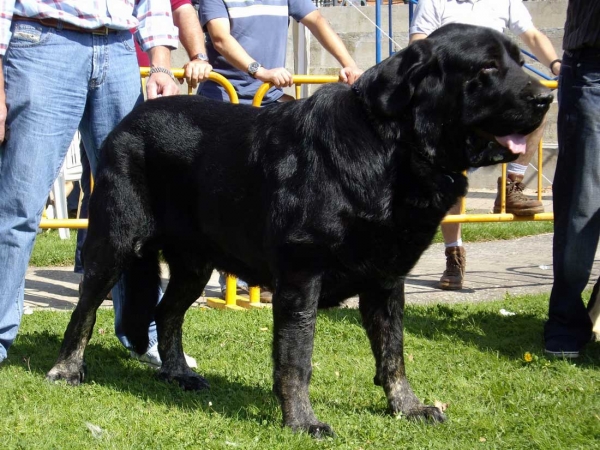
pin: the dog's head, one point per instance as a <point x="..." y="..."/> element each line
<point x="461" y="93"/>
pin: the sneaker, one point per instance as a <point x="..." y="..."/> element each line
<point x="517" y="203"/>
<point x="456" y="264"/>
<point x="559" y="349"/>
<point x="152" y="358"/>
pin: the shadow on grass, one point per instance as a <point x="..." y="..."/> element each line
<point x="110" y="366"/>
<point x="509" y="336"/>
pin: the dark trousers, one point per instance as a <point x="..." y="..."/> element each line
<point x="576" y="196"/>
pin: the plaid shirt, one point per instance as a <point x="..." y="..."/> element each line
<point x="151" y="18"/>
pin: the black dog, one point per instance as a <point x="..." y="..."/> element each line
<point x="320" y="199"/>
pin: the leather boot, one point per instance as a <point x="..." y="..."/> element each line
<point x="517" y="203"/>
<point x="456" y="264"/>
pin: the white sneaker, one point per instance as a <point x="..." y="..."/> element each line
<point x="152" y="358"/>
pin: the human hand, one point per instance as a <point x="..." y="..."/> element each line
<point x="196" y="71"/>
<point x="161" y="84"/>
<point x="350" y="74"/>
<point x="279" y="76"/>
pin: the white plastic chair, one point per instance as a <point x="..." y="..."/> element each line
<point x="70" y="171"/>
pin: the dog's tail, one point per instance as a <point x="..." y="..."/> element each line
<point x="142" y="286"/>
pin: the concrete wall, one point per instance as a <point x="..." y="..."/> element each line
<point x="355" y="27"/>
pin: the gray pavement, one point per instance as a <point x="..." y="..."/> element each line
<point x="494" y="269"/>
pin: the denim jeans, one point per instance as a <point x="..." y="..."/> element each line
<point x="576" y="194"/>
<point x="55" y="81"/>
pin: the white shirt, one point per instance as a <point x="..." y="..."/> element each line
<point x="497" y="14"/>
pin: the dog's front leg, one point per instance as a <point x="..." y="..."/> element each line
<point x="70" y="365"/>
<point x="382" y="313"/>
<point x="294" y="313"/>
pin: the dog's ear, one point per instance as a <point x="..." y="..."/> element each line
<point x="388" y="87"/>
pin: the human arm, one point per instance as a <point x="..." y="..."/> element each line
<point x="192" y="38"/>
<point x="416" y="37"/>
<point x="159" y="83"/>
<point x="542" y="48"/>
<point x="426" y="19"/>
<point x="220" y="35"/>
<point x="331" y="42"/>
<point x="157" y="35"/>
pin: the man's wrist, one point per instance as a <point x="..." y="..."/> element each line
<point x="253" y="68"/>
<point x="200" y="56"/>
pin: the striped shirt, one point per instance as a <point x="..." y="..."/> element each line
<point x="582" y="28"/>
<point x="261" y="28"/>
<point x="151" y="18"/>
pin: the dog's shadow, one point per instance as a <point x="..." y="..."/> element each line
<point x="110" y="366"/>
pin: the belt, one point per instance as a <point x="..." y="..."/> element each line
<point x="59" y="24"/>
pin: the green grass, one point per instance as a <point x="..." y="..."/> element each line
<point x="468" y="356"/>
<point x="50" y="250"/>
<point x="493" y="231"/>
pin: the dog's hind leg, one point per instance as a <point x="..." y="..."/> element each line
<point x="382" y="311"/>
<point x="185" y="286"/>
<point x="97" y="282"/>
<point x="295" y="313"/>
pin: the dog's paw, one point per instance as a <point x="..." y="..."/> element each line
<point x="431" y="414"/>
<point x="189" y="381"/>
<point x="73" y="374"/>
<point x="318" y="430"/>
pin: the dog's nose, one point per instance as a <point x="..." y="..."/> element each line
<point x="543" y="99"/>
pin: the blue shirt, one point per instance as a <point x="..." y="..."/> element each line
<point x="261" y="28"/>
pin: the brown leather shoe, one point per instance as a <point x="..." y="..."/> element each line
<point x="456" y="264"/>
<point x="517" y="203"/>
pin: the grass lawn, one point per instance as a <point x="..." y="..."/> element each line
<point x="468" y="356"/>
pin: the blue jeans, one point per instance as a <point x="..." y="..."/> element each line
<point x="55" y="81"/>
<point x="576" y="194"/>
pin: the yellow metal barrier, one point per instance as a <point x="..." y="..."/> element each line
<point x="298" y="80"/>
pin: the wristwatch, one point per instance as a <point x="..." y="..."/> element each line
<point x="201" y="57"/>
<point x="253" y="68"/>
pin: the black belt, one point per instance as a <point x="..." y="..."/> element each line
<point x="55" y="23"/>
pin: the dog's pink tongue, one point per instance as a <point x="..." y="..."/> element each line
<point x="514" y="142"/>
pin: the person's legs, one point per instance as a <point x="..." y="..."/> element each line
<point x="576" y="203"/>
<point x="517" y="202"/>
<point x="45" y="84"/>
<point x="456" y="255"/>
<point x="115" y="89"/>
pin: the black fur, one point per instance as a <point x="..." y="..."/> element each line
<point x="320" y="199"/>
